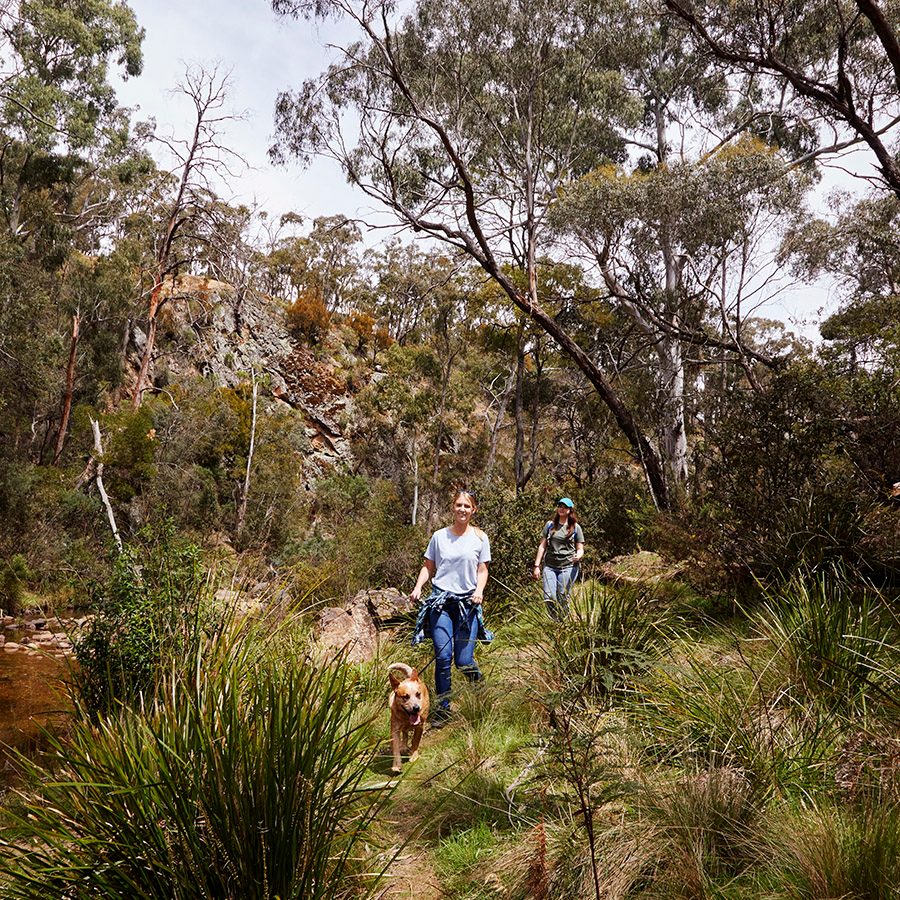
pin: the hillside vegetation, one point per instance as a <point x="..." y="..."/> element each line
<point x="220" y="424"/>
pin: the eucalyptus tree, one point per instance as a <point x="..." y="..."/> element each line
<point x="467" y="118"/>
<point x="831" y="66"/>
<point x="860" y="250"/>
<point x="688" y="250"/>
<point x="676" y="233"/>
<point x="67" y="158"/>
<point x="56" y="102"/>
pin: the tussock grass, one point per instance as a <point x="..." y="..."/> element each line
<point x="828" y="851"/>
<point x="611" y="634"/>
<point x="834" y="641"/>
<point x="245" y="778"/>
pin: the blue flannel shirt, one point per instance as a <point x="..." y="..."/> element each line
<point x="436" y="602"/>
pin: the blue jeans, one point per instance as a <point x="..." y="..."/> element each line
<point x="557" y="584"/>
<point x="454" y="636"/>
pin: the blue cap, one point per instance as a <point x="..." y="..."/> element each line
<point x="565" y="501"/>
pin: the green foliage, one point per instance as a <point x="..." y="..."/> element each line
<point x="834" y="640"/>
<point x="458" y="855"/>
<point x="244" y="777"/>
<point x="700" y="712"/>
<point x="361" y="541"/>
<point x="838" y="851"/>
<point x="130" y="452"/>
<point x="14" y="573"/>
<point x="151" y="613"/>
<point x="513" y="523"/>
<point x="610" y="636"/>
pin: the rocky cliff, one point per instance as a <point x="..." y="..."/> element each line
<point x="209" y="329"/>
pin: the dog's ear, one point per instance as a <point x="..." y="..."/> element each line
<point x="414" y="675"/>
<point x="395" y="681"/>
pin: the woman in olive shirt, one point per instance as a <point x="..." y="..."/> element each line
<point x="560" y="549"/>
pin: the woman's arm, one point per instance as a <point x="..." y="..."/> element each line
<point x="427" y="571"/>
<point x="480" y="582"/>
<point x="541" y="550"/>
<point x="579" y="551"/>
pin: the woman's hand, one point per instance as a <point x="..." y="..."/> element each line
<point x="477" y="599"/>
<point x="536" y="573"/>
<point x="426" y="572"/>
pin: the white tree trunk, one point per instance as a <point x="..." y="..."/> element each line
<point x="673" y="434"/>
<point x="242" y="506"/>
<point x="98" y="454"/>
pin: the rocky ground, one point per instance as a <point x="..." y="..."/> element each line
<point x="37" y="634"/>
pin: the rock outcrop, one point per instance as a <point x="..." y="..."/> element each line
<point x="358" y="627"/>
<point x="209" y="329"/>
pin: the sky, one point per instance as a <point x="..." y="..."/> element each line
<point x="267" y="54"/>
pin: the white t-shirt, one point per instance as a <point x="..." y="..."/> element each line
<point x="456" y="559"/>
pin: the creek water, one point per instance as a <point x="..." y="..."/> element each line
<point x="32" y="702"/>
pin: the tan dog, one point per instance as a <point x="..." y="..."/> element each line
<point x="409" y="711"/>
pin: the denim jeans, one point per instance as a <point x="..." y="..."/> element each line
<point x="453" y="633"/>
<point x="557" y="584"/>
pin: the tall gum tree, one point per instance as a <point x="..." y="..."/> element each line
<point x="688" y="250"/>
<point x="832" y="65"/>
<point x="468" y="117"/>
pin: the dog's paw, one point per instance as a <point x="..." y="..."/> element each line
<point x="396" y="769"/>
<point x="414" y="756"/>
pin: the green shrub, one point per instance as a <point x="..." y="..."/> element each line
<point x="150" y="614"/>
<point x="610" y="635"/>
<point x="13" y="575"/>
<point x="243" y="778"/>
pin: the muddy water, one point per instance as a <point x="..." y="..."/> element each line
<point x="32" y="700"/>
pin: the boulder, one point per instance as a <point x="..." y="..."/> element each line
<point x="386" y="606"/>
<point x="349" y="628"/>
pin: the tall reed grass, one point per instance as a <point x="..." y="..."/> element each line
<point x="835" y="640"/>
<point x="243" y="778"/>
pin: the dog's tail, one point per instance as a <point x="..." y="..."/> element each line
<point x="407" y="670"/>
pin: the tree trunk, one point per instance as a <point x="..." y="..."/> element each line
<point x="498" y="422"/>
<point x="242" y="505"/>
<point x="98" y="456"/>
<point x="414" y="460"/>
<point x="523" y="473"/>
<point x="673" y="439"/>
<point x="137" y="395"/>
<point x="69" y="391"/>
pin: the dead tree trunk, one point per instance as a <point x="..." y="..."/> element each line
<point x="98" y="477"/>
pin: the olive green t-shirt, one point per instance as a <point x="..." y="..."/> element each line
<point x="560" y="552"/>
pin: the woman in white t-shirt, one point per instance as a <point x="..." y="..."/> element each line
<point x="456" y="561"/>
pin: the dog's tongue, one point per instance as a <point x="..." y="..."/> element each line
<point x="414" y="719"/>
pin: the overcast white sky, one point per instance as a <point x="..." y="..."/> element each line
<point x="267" y="54"/>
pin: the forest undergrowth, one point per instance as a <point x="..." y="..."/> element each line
<point x="637" y="749"/>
